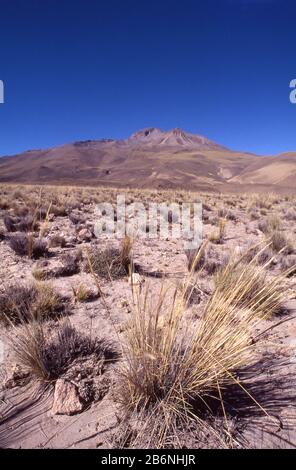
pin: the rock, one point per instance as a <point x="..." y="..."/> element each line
<point x="85" y="235"/>
<point x="135" y="279"/>
<point x="66" y="400"/>
<point x="70" y="241"/>
<point x="43" y="263"/>
<point x="124" y="303"/>
<point x="15" y="377"/>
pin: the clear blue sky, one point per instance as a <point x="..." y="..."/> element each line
<point x="89" y="69"/>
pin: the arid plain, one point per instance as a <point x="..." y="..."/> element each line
<point x="140" y="342"/>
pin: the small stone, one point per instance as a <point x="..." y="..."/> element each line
<point x="66" y="400"/>
<point x="41" y="264"/>
<point x="15" y="376"/>
<point x="85" y="235"/>
<point x="135" y="279"/>
<point x="70" y="241"/>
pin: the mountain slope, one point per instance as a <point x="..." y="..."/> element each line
<point x="152" y="158"/>
<point x="279" y="170"/>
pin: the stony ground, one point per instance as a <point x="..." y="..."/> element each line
<point x="80" y="409"/>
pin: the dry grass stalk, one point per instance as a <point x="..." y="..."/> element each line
<point x="219" y="235"/>
<point x="44" y="225"/>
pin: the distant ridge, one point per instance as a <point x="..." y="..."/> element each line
<point x="155" y="158"/>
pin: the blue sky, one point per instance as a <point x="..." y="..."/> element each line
<point x="89" y="69"/>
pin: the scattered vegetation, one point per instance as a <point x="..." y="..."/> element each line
<point x="180" y="358"/>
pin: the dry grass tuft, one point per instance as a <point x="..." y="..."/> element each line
<point x="25" y="223"/>
<point x="70" y="264"/>
<point x="171" y="374"/>
<point x="270" y="224"/>
<point x="219" y="235"/>
<point x="46" y="357"/>
<point x="111" y="263"/>
<point x="57" y="241"/>
<point x="247" y="286"/>
<point x="29" y="302"/>
<point x="207" y="259"/>
<point x="280" y="242"/>
<point x="24" y="244"/>
<point x="82" y="293"/>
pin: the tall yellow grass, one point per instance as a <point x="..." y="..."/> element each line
<point x="171" y="371"/>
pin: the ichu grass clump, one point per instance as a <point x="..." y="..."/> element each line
<point x="24" y="303"/>
<point x="24" y="244"/>
<point x="46" y="357"/>
<point x="171" y="374"/>
<point x="110" y="263"/>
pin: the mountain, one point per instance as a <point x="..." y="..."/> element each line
<point x="154" y="137"/>
<point x="153" y="158"/>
